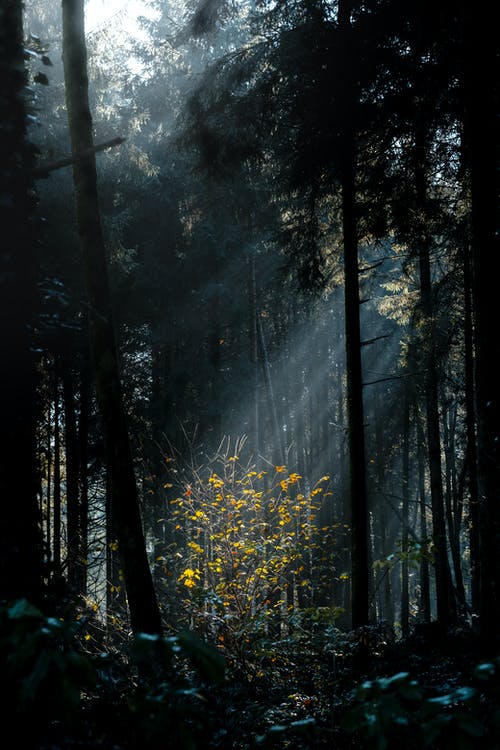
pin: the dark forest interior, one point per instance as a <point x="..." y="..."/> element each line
<point x="250" y="445"/>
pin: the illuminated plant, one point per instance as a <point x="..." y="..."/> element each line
<point x="246" y="543"/>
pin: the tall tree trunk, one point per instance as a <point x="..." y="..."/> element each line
<point x="73" y="546"/>
<point x="83" y="439"/>
<point x="116" y="605"/>
<point x="470" y="424"/>
<point x="425" y="591"/>
<point x="20" y="527"/>
<point x="453" y="514"/>
<point x="253" y="331"/>
<point x="445" y="601"/>
<point x="356" y="438"/>
<point x="48" y="514"/>
<point x="482" y="138"/>
<point x="405" y="598"/>
<point x="144" y="612"/>
<point x="279" y="449"/>
<point x="57" y="478"/>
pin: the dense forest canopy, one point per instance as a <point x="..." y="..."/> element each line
<point x="249" y="326"/>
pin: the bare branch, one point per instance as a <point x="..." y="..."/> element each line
<point x="44" y="169"/>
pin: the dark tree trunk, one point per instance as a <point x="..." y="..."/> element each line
<point x="445" y="601"/>
<point x="482" y="137"/>
<point x="356" y="438"/>
<point x="73" y="532"/>
<point x="279" y="450"/>
<point x="470" y="425"/>
<point x="144" y="612"/>
<point x="425" y="591"/>
<point x="56" y="556"/>
<point x="20" y="523"/>
<point x="116" y="603"/>
<point x="253" y="330"/>
<point x="452" y="506"/>
<point x="405" y="598"/>
<point x="83" y="441"/>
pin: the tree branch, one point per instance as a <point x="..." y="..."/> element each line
<point x="44" y="169"/>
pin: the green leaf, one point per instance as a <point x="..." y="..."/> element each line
<point x="207" y="659"/>
<point x="38" y="674"/>
<point x="485" y="671"/>
<point x="457" y="696"/>
<point x="22" y="608"/>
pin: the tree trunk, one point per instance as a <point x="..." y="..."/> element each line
<point x="356" y="439"/>
<point x="425" y="591"/>
<point x="73" y="547"/>
<point x="482" y="124"/>
<point x="83" y="439"/>
<point x="445" y="602"/>
<point x="470" y="425"/>
<point x="453" y="514"/>
<point x="405" y="598"/>
<point x="144" y="612"/>
<point x="20" y="523"/>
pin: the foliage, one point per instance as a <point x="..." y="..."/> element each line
<point x="168" y="707"/>
<point x="393" y="712"/>
<point x="47" y="677"/>
<point x="246" y="541"/>
<point x="43" y="674"/>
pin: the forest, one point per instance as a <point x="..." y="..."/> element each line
<point x="249" y="391"/>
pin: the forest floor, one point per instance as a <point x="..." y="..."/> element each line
<point x="354" y="691"/>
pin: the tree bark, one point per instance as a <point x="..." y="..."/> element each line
<point x="73" y="546"/>
<point x="20" y="522"/>
<point x="470" y="426"/>
<point x="425" y="592"/>
<point x="482" y="125"/>
<point x="355" y="414"/>
<point x="405" y="490"/>
<point x="144" y="612"/>
<point x="445" y="602"/>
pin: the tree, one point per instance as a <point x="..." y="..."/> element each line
<point x="355" y="411"/>
<point x="144" y="612"/>
<point x="20" y="538"/>
<point x="482" y="138"/>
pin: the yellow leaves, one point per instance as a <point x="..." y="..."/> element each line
<point x="167" y="485"/>
<point x="216" y="481"/>
<point x="196" y="548"/>
<point x="190" y="577"/>
<point x="344" y="576"/>
<point x="241" y="539"/>
<point x="113" y="546"/>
